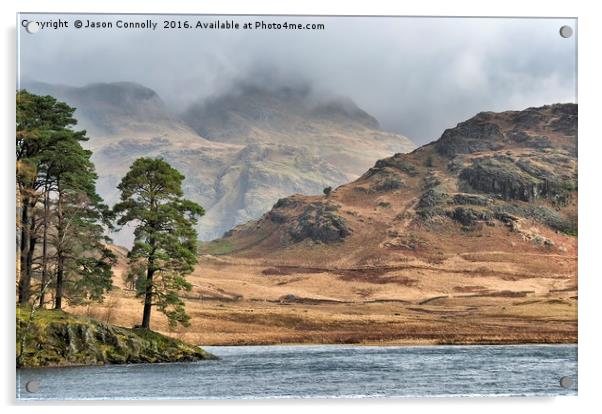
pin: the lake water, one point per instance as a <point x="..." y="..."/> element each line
<point x="321" y="371"/>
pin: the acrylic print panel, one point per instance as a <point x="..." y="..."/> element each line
<point x="233" y="207"/>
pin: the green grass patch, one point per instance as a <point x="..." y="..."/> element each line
<point x="217" y="247"/>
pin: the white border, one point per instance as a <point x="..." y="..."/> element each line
<point x="590" y="233"/>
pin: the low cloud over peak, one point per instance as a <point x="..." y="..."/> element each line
<point x="417" y="76"/>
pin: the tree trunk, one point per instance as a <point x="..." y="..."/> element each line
<point x="33" y="238"/>
<point x="25" y="276"/>
<point x="148" y="295"/>
<point x="60" y="270"/>
<point x="60" y="254"/>
<point x="45" y="247"/>
<point x="18" y="228"/>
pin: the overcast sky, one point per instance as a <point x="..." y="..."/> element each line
<point x="417" y="76"/>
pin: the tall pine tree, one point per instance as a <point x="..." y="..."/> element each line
<point x="83" y="262"/>
<point x="39" y="119"/>
<point x="55" y="170"/>
<point x="164" y="250"/>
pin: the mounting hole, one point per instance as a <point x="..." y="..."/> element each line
<point x="32" y="27"/>
<point x="566" y="382"/>
<point x="566" y="31"/>
<point x="32" y="386"/>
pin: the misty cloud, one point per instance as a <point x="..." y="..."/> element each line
<point x="417" y="76"/>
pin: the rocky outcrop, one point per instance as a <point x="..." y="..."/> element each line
<point x="397" y="162"/>
<point x="469" y="216"/>
<point x="541" y="214"/>
<point x="485" y="132"/>
<point x="320" y="223"/>
<point x="55" y="338"/>
<point x="540" y="142"/>
<point x="431" y="203"/>
<point x="471" y="136"/>
<point x="566" y="122"/>
<point x="385" y="181"/>
<point x="505" y="179"/>
<point x="471" y="199"/>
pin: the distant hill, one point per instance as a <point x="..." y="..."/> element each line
<point x="333" y="128"/>
<point x="496" y="182"/>
<point x="239" y="152"/>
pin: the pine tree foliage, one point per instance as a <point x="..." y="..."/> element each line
<point x="165" y="244"/>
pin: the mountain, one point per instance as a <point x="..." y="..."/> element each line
<point x="234" y="175"/>
<point x="501" y="182"/>
<point x="331" y="127"/>
<point x="113" y="111"/>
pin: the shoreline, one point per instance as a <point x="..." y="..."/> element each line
<point x="302" y="345"/>
<point x="393" y="344"/>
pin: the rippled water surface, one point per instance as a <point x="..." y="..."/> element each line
<point x="321" y="371"/>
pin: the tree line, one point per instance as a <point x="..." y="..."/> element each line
<point x="63" y="225"/>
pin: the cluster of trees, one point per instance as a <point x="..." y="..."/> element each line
<point x="63" y="248"/>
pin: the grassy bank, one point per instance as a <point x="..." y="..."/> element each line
<point x="56" y="338"/>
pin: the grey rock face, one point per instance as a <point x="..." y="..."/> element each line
<point x="504" y="179"/>
<point x="471" y="199"/>
<point x="385" y="182"/>
<point x="468" y="216"/>
<point x="566" y="124"/>
<point x="397" y="163"/>
<point x="319" y="222"/>
<point x="511" y="212"/>
<point x="432" y="203"/>
<point x="519" y="179"/>
<point x="469" y="137"/>
<point x="529" y="118"/>
<point x="531" y="141"/>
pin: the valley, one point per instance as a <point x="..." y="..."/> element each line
<point x="489" y="297"/>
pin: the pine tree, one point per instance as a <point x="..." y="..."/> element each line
<point x="55" y="170"/>
<point x="83" y="262"/>
<point x="38" y="120"/>
<point x="164" y="250"/>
